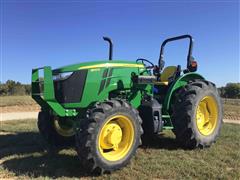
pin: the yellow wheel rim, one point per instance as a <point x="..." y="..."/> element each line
<point x="207" y="115"/>
<point x="116" y="138"/>
<point x="63" y="130"/>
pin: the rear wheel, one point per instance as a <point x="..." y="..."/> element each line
<point x="109" y="136"/>
<point x="54" y="131"/>
<point x="197" y="114"/>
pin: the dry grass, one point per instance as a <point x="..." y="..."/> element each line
<point x="16" y="101"/>
<point x="26" y="103"/>
<point x="17" y="104"/>
<point x="23" y="154"/>
<point x="231" y="111"/>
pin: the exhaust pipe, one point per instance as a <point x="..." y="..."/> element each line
<point x="110" y="46"/>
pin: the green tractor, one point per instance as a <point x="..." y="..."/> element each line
<point x="107" y="107"/>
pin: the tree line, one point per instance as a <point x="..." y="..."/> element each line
<point x="10" y="87"/>
<point x="231" y="90"/>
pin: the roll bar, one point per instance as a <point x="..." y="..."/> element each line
<point x="189" y="57"/>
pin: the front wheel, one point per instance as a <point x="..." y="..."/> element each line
<point x="109" y="136"/>
<point x="197" y="114"/>
<point x="54" y="131"/>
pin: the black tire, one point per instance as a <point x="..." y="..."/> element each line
<point x="149" y="136"/>
<point x="48" y="131"/>
<point x="184" y="111"/>
<point x="87" y="138"/>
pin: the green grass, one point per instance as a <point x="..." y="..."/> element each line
<point x="16" y="100"/>
<point x="24" y="154"/>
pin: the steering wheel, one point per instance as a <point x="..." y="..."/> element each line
<point x="146" y="61"/>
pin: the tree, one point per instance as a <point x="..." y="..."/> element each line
<point x="221" y="91"/>
<point x="18" y="90"/>
<point x="232" y="90"/>
<point x="14" y="88"/>
<point x="10" y="86"/>
<point x="3" y="89"/>
<point x="28" y="89"/>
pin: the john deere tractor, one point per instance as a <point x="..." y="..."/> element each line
<point x="106" y="107"/>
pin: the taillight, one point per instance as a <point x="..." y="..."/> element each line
<point x="193" y="66"/>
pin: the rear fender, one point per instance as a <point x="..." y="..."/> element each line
<point x="182" y="81"/>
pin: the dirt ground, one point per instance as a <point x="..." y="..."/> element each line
<point x="17" y="108"/>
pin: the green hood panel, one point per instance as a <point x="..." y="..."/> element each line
<point x="96" y="65"/>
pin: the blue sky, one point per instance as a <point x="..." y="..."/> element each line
<point x="57" y="33"/>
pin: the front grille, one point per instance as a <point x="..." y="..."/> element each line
<point x="41" y="87"/>
<point x="70" y="90"/>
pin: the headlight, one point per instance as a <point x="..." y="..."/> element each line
<point x="62" y="76"/>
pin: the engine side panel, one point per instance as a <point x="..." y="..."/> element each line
<point x="88" y="84"/>
<point x="101" y="81"/>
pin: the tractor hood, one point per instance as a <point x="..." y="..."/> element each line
<point x="96" y="65"/>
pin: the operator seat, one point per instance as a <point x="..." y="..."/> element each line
<point x="168" y="72"/>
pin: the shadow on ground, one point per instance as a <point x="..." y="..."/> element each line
<point x="47" y="165"/>
<point x="20" y="143"/>
<point x="26" y="154"/>
<point x="161" y="141"/>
